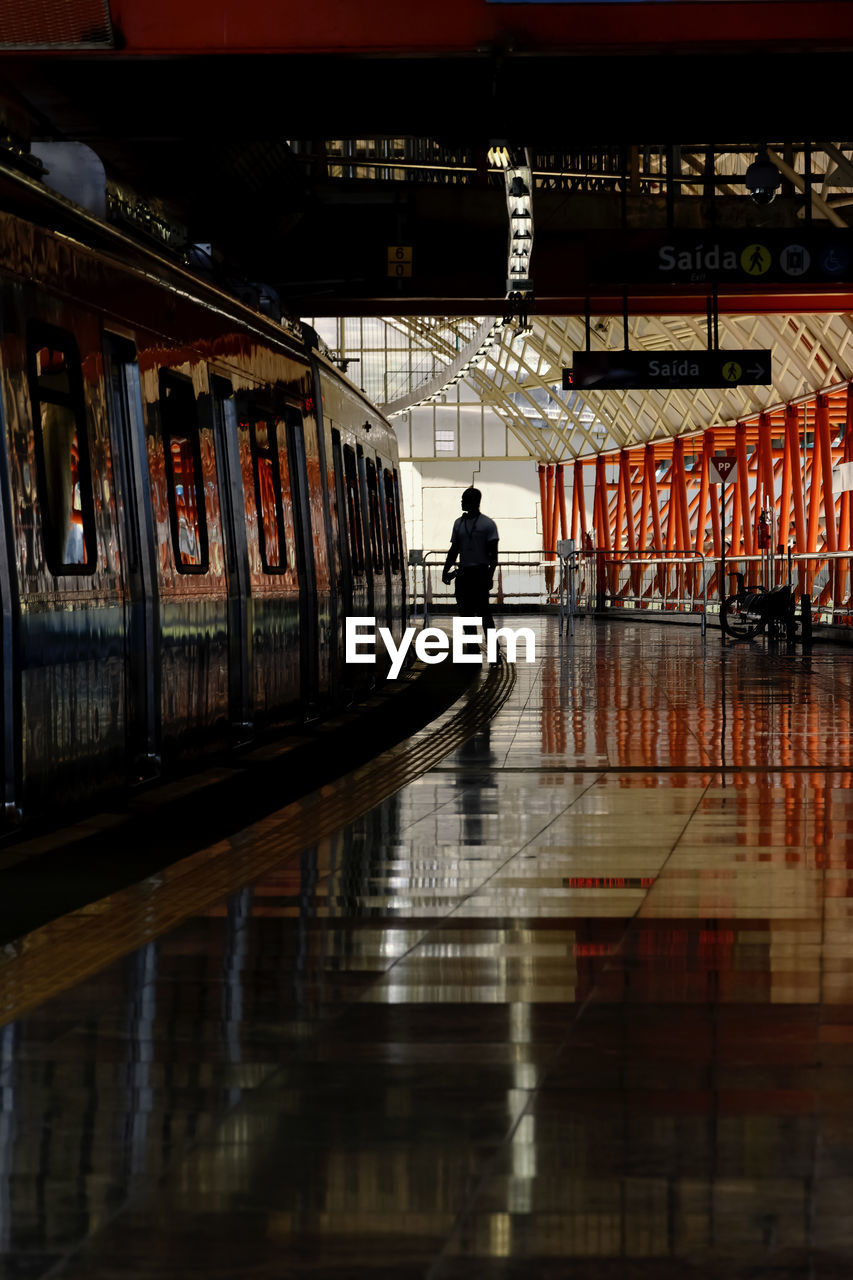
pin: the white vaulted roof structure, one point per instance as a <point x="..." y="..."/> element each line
<point x="516" y="373"/>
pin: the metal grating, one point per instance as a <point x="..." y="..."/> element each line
<point x="56" y="24"/>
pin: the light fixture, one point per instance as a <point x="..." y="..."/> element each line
<point x="762" y="179"/>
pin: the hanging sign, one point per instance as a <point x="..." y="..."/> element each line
<point x="722" y="470"/>
<point x="650" y="370"/>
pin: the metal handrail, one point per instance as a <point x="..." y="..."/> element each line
<point x="639" y="559"/>
<point x="433" y="559"/>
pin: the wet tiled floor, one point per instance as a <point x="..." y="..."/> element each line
<point x="576" y="1003"/>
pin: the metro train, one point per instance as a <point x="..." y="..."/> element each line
<point x="192" y="500"/>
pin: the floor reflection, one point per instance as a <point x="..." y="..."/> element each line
<point x="579" y="1002"/>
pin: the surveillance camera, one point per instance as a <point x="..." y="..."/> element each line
<point x="762" y="179"/>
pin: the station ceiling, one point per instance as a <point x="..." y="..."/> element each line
<point x="303" y="150"/>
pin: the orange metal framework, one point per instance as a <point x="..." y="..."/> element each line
<point x="659" y="496"/>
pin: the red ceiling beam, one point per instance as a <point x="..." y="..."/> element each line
<point x="672" y="303"/>
<point x="468" y="26"/>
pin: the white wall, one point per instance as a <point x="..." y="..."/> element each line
<point x="432" y="490"/>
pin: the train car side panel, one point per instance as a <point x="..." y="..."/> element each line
<point x="65" y="528"/>
<point x="191" y="556"/>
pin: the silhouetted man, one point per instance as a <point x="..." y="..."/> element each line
<point x="475" y="541"/>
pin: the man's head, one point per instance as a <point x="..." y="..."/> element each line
<point x="471" y="500"/>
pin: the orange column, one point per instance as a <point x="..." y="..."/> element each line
<point x="543" y="505"/>
<point x="575" y="511"/>
<point x="765" y="456"/>
<point x="602" y="517"/>
<point x="823" y="433"/>
<point x="581" y="497"/>
<point x="792" y="441"/>
<point x="813" y="487"/>
<point x="642" y="539"/>
<point x="561" y="498"/>
<point x="846" y="497"/>
<point x="704" y="491"/>
<point x="784" y="521"/>
<point x="654" y="501"/>
<point x="620" y="507"/>
<point x="602" y="521"/>
<point x="743" y="488"/>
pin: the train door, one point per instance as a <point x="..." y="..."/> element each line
<point x="10" y="711"/>
<point x="360" y="586"/>
<point x="142" y="661"/>
<point x="233" y="506"/>
<point x="185" y="485"/>
<point x="343" y="552"/>
<point x="393" y="574"/>
<point x="378" y="545"/>
<point x="309" y="640"/>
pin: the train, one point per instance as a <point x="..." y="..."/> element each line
<point x="193" y="499"/>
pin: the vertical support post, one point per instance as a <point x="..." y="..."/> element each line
<point x="644" y="504"/>
<point x="831" y="535"/>
<point x="581" y="497"/>
<point x="543" y="504"/>
<point x="628" y="491"/>
<point x="846" y="497"/>
<point x="792" y="441"/>
<point x="561" y="498"/>
<point x="575" y="507"/>
<point x="765" y="494"/>
<point x="784" y="522"/>
<point x="702" y="505"/>
<point x="603" y="527"/>
<point x="679" y="483"/>
<point x="549" y="536"/>
<point x="814" y="495"/>
<point x="650" y="461"/>
<point x="743" y="486"/>
<point x="723" y="584"/>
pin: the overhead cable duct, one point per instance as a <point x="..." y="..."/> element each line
<point x="518" y="181"/>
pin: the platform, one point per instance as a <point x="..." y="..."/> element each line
<point x="576" y="1002"/>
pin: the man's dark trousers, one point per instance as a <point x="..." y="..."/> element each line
<point x="472" y="593"/>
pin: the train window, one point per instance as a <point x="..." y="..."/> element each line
<point x="399" y="518"/>
<point x="353" y="497"/>
<point x="375" y="516"/>
<point x="62" y="450"/>
<point x="268" y="463"/>
<point x="184" y="480"/>
<point x="391" y="521"/>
